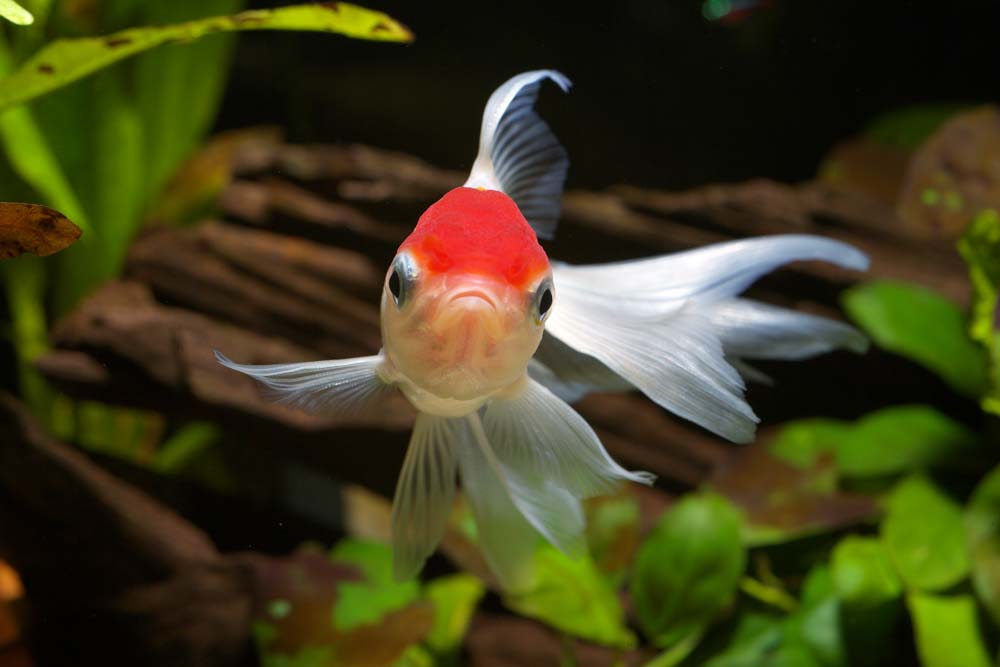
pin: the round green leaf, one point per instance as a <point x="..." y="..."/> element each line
<point x="901" y="439"/>
<point x="921" y="325"/>
<point x="365" y="602"/>
<point x="689" y="568"/>
<point x="869" y="590"/>
<point x="863" y="574"/>
<point x="454" y="598"/>
<point x="571" y="595"/>
<point x="947" y="631"/>
<point x="924" y="535"/>
<point x="802" y="442"/>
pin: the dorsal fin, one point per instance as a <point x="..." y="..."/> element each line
<point x="518" y="153"/>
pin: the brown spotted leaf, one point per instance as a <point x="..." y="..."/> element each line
<point x="782" y="502"/>
<point x="35" y="229"/>
<point x="66" y="60"/>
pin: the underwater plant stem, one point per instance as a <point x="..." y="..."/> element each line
<point x="676" y="654"/>
<point x="567" y="654"/>
<point x="769" y="595"/>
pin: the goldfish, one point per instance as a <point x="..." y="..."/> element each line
<point x="490" y="342"/>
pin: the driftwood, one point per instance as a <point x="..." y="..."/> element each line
<point x="296" y="270"/>
<point x="117" y="578"/>
<point x="104" y="560"/>
<point x="293" y="272"/>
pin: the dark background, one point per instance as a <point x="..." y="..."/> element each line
<point x="662" y="96"/>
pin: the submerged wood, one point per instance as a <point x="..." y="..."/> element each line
<point x="292" y="270"/>
<point x="295" y="273"/>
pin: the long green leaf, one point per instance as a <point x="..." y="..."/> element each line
<point x="15" y="13"/>
<point x="178" y="88"/>
<point x="31" y="158"/>
<point x="66" y="60"/>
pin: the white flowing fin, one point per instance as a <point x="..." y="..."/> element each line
<point x="508" y="541"/>
<point x="424" y="494"/>
<point x="571" y="374"/>
<point x="650" y="321"/>
<point x="659" y="285"/>
<point x="519" y="154"/>
<point x="498" y="492"/>
<point x="752" y="330"/>
<point x="335" y="388"/>
<point x="677" y="361"/>
<point x="567" y="390"/>
<point x="750" y="373"/>
<point x="541" y="438"/>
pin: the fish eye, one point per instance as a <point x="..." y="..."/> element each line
<point x="399" y="281"/>
<point x="543" y="301"/>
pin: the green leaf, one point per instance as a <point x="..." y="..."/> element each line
<point x="890" y="441"/>
<point x="863" y="574"/>
<point x="178" y="88"/>
<point x="924" y="535"/>
<point x="947" y="631"/>
<point x="116" y="133"/>
<point x="15" y="13"/>
<point x="572" y="596"/>
<point x="809" y="636"/>
<point x="688" y="570"/>
<point x="613" y="534"/>
<point x="367" y="602"/>
<point x="66" y="60"/>
<point x="756" y="637"/>
<point x="454" y="598"/>
<point x="982" y="529"/>
<point x="902" y="439"/>
<point x="870" y="594"/>
<point x="816" y="624"/>
<point x="980" y="247"/>
<point x="184" y="446"/>
<point x="920" y="325"/>
<point x="802" y="442"/>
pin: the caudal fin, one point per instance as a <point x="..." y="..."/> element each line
<point x="518" y="153"/>
<point x="672" y="327"/>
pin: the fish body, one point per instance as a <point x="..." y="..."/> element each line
<point x="490" y="342"/>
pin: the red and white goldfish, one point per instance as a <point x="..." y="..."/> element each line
<point x="488" y="340"/>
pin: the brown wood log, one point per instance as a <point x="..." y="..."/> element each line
<point x="100" y="559"/>
<point x="296" y="274"/>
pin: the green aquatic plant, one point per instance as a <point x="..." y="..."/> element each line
<point x="15" y="13"/>
<point x="97" y="112"/>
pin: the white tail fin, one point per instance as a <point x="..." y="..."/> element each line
<point x="518" y="153"/>
<point x="670" y="326"/>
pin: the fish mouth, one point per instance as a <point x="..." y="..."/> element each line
<point x="473" y="295"/>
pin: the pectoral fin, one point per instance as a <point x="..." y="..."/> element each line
<point x="335" y="388"/>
